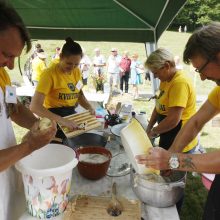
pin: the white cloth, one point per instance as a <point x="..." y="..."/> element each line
<point x="97" y="60"/>
<point x="7" y="177"/>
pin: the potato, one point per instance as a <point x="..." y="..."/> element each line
<point x="44" y="123"/>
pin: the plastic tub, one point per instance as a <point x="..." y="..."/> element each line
<point x="47" y="175"/>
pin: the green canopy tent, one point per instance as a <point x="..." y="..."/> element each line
<point x="99" y="20"/>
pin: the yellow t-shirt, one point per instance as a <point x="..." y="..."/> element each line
<point x="60" y="89"/>
<point x="214" y="97"/>
<point x="54" y="61"/>
<point x="38" y="67"/>
<point x="179" y="92"/>
<point x="4" y="79"/>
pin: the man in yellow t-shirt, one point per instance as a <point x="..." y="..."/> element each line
<point x="60" y="88"/>
<point x="13" y="38"/>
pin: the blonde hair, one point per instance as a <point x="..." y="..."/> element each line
<point x="157" y="59"/>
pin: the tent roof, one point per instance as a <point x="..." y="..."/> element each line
<point x="98" y="20"/>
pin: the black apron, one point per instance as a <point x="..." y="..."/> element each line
<point x="212" y="207"/>
<point x="167" y="138"/>
<point x="62" y="111"/>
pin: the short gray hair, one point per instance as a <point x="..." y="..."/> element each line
<point x="157" y="59"/>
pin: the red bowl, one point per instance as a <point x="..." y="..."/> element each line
<point x="93" y="171"/>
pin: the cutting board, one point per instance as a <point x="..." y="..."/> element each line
<point x="80" y="118"/>
<point x="94" y="208"/>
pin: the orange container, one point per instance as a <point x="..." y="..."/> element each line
<point x="93" y="171"/>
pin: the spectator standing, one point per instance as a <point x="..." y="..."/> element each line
<point x="135" y="75"/>
<point x="28" y="71"/>
<point x="56" y="57"/>
<point x="124" y="71"/>
<point x="185" y="28"/>
<point x="57" y="53"/>
<point x="113" y="68"/>
<point x="38" y="65"/>
<point x="85" y="65"/>
<point x="98" y="62"/>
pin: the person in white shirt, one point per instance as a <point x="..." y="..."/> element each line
<point x="98" y="62"/>
<point x="85" y="65"/>
<point x="13" y="38"/>
<point x="113" y="67"/>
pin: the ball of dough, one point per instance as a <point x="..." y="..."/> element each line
<point x="44" y="123"/>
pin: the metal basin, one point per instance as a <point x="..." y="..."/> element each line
<point x="158" y="194"/>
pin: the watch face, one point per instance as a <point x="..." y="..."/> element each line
<point x="174" y="162"/>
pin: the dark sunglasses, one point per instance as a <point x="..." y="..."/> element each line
<point x="199" y="70"/>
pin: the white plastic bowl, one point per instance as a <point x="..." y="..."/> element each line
<point x="47" y="175"/>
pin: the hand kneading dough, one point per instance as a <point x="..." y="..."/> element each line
<point x="44" y="123"/>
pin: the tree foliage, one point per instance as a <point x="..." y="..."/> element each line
<point x="197" y="13"/>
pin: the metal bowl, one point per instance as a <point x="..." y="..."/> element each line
<point x="158" y="194"/>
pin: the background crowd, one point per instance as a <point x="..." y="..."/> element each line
<point x="117" y="71"/>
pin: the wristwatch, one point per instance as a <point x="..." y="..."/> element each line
<point x="174" y="162"/>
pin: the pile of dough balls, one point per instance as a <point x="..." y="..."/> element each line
<point x="44" y="123"/>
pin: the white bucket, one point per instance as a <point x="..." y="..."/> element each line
<point x="47" y="175"/>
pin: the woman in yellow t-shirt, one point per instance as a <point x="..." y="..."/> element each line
<point x="60" y="88"/>
<point x="175" y="101"/>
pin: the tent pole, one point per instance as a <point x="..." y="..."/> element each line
<point x="149" y="48"/>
